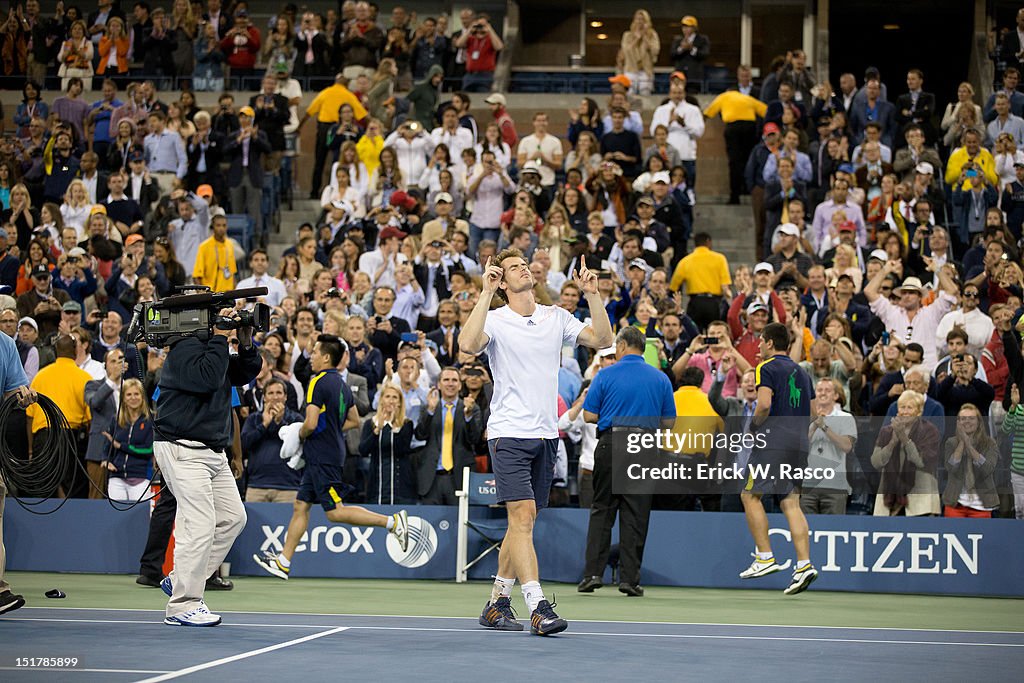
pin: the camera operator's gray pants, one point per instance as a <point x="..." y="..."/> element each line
<point x="210" y="516"/>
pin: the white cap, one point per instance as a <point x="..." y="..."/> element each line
<point x="344" y="205"/>
<point x="789" y="229"/>
<point x="604" y="353"/>
<point x="495" y="98"/>
<point x="29" y="321"/>
<point x="879" y="254"/>
<point x="924" y="168"/>
<point x="443" y="197"/>
<point x="532" y="166"/>
<point x="661" y="177"/>
<point x="764" y="266"/>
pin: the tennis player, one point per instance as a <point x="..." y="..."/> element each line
<point x="330" y="410"/>
<point x="524" y="342"/>
<point x="782" y="415"/>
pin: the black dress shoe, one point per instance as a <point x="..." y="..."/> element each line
<point x="149" y="581"/>
<point x="631" y="589"/>
<point x="589" y="584"/>
<point x="215" y="583"/>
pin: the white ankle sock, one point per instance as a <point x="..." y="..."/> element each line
<point x="502" y="588"/>
<point x="764" y="557"/>
<point x="390" y="524"/>
<point x="533" y="594"/>
<point x="802" y="564"/>
<point x="283" y="561"/>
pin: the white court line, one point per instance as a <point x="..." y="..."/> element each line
<point x="242" y="655"/>
<point x="95" y="671"/>
<point x="581" y="621"/>
<point x="699" y="636"/>
<point x="160" y="622"/>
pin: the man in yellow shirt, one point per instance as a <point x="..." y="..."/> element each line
<point x="697" y="423"/>
<point x="706" y="276"/>
<point x="740" y="114"/>
<point x="215" y="261"/>
<point x="63" y="382"/>
<point x="971" y="152"/>
<point x="326" y="107"/>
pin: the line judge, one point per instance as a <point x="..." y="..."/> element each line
<point x="630" y="394"/>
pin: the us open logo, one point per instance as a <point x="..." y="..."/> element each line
<point x="422" y="545"/>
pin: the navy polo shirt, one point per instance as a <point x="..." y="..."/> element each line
<point x="630" y="393"/>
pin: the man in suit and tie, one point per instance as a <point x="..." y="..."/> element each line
<point x="1012" y="48"/>
<point x="446" y="336"/>
<point x="102" y="396"/>
<point x="916" y="107"/>
<point x="432" y="274"/>
<point x="272" y="114"/>
<point x="245" y="150"/>
<point x="205" y="149"/>
<point x="450" y="425"/>
<point x="873" y="109"/>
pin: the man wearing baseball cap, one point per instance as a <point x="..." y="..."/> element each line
<point x="42" y="302"/>
<point x="690" y="49"/>
<point x="790" y="264"/>
<point x="245" y="151"/>
<point x="748" y="339"/>
<point x="848" y="236"/>
<point x="685" y="124"/>
<point x="763" y="277"/>
<point x="442" y="227"/>
<point x="497" y="104"/>
<point x="909" y="320"/>
<point x="911" y="159"/>
<point x="754" y="177"/>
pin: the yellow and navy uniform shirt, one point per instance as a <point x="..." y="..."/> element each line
<point x="328" y="392"/>
<point x="792" y="393"/>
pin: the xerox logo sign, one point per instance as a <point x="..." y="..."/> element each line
<point x="334" y="539"/>
<point x="422" y="544"/>
<point x="346" y="539"/>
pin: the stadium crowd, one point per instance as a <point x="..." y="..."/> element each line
<point x="887" y="237"/>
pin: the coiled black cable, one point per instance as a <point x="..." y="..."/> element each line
<point x="53" y="458"/>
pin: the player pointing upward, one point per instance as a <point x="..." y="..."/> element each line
<point x="523" y="341"/>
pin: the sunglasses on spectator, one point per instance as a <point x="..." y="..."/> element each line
<point x="970" y="295"/>
<point x="462" y="296"/>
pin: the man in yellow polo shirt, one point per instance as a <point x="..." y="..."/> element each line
<point x="63" y="382"/>
<point x="698" y="423"/>
<point x="325" y="107"/>
<point x="740" y="114"/>
<point x="215" y="260"/>
<point x="706" y="276"/>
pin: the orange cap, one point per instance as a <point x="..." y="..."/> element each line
<point x="204" y="191"/>
<point x="621" y="79"/>
<point x="677" y="75"/>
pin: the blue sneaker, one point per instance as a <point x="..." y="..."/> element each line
<point x="198" y="616"/>
<point x="500" y="616"/>
<point x="544" y="621"/>
<point x="166" y="586"/>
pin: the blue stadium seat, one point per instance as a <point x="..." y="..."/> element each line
<point x="241" y="228"/>
<point x="717" y="79"/>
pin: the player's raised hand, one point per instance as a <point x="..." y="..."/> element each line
<point x="492" y="277"/>
<point x="585" y="279"/>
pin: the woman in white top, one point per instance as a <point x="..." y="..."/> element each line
<point x="386" y="178"/>
<point x="1006" y="154"/>
<point x="76" y="207"/>
<point x="441" y="160"/>
<point x="358" y="176"/>
<point x="340" y="189"/>
<point x="964" y="98"/>
<point x="492" y="141"/>
<point x="586" y="156"/>
<point x="655" y="164"/>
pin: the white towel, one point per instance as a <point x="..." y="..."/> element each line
<point x="291" y="448"/>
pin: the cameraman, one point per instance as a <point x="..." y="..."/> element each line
<point x="193" y="433"/>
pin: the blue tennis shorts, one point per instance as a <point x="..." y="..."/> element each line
<point x="773" y="483"/>
<point x="523" y="468"/>
<point x="321" y="483"/>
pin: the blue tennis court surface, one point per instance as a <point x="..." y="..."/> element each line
<point x="135" y="645"/>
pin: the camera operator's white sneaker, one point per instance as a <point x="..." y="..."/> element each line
<point x="197" y="616"/>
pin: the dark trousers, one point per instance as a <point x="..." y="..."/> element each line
<point x="704" y="309"/>
<point x="757" y="206"/>
<point x="634" y="512"/>
<point x="740" y="138"/>
<point x="316" y="184"/>
<point x="161" y="524"/>
<point x="442" y="491"/>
